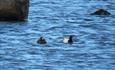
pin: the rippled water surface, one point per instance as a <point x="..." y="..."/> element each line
<point x="94" y="37"/>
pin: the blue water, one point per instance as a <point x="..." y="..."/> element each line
<point x="94" y="37"/>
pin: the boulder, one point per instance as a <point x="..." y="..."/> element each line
<point x="101" y="12"/>
<point x="14" y="10"/>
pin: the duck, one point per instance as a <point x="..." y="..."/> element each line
<point x="101" y="12"/>
<point x="68" y="39"/>
<point x="41" y="40"/>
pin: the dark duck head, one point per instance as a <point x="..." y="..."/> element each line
<point x="41" y="40"/>
<point x="70" y="40"/>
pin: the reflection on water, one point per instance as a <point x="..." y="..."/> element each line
<point x="94" y="37"/>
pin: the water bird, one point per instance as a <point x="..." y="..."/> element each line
<point x="68" y="39"/>
<point x="41" y="40"/>
<point x="101" y="12"/>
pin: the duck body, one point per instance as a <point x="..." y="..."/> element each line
<point x="68" y="40"/>
<point x="41" y="40"/>
<point x="101" y="12"/>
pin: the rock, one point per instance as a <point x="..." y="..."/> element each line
<point x="14" y="9"/>
<point x="101" y="12"/>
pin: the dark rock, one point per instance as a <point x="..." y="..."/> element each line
<point x="14" y="9"/>
<point x="101" y="12"/>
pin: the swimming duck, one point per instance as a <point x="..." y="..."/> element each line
<point x="41" y="40"/>
<point x="68" y="40"/>
<point x="101" y="12"/>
